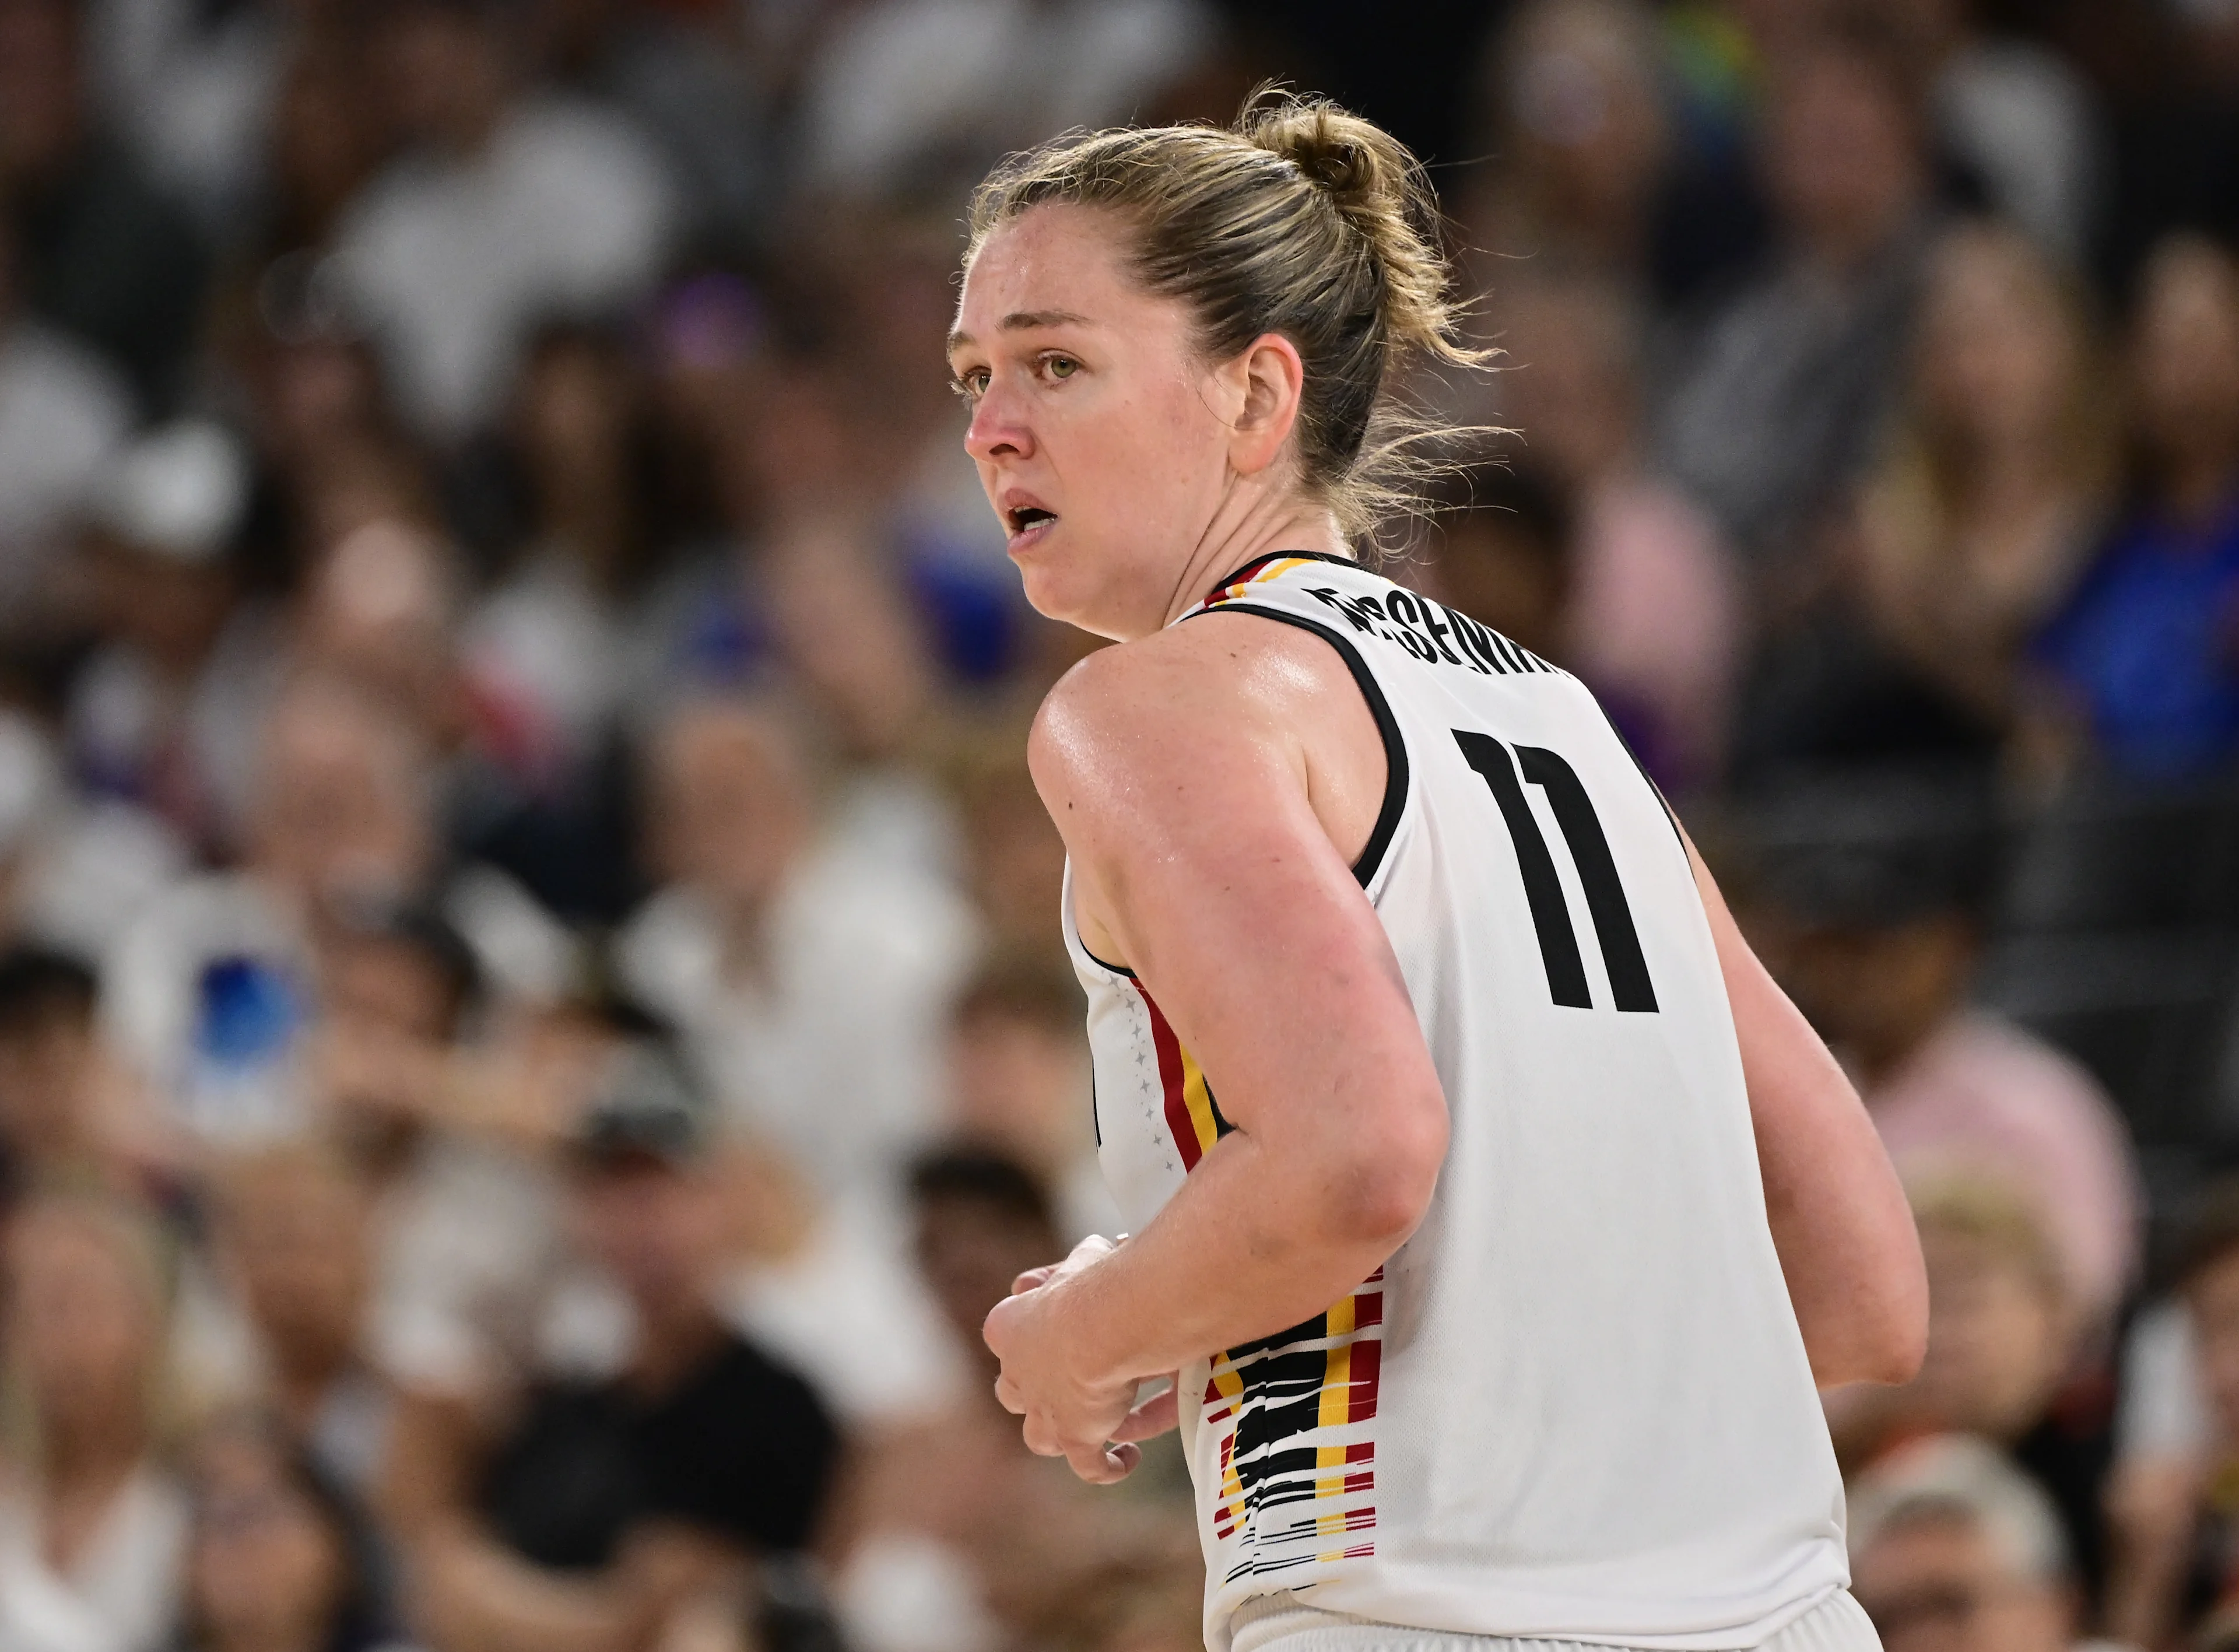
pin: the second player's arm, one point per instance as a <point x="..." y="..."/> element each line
<point x="1187" y="808"/>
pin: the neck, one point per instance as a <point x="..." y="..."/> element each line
<point x="1252" y="521"/>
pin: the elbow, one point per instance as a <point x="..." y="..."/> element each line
<point x="1893" y="1353"/>
<point x="1904" y="1343"/>
<point x="1386" y="1193"/>
<point x="1884" y="1337"/>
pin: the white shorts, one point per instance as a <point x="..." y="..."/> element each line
<point x="1281" y="1623"/>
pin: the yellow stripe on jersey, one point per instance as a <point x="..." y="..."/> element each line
<point x="1274" y="570"/>
<point x="1197" y="1096"/>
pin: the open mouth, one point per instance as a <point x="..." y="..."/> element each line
<point x="1028" y="521"/>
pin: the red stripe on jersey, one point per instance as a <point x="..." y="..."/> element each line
<point x="1368" y="1310"/>
<point x="1367" y="1366"/>
<point x="1170" y="1076"/>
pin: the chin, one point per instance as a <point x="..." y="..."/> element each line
<point x="1057" y="586"/>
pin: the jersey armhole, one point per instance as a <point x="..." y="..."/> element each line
<point x="1371" y="859"/>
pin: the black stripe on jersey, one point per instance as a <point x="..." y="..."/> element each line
<point x="1220" y="1124"/>
<point x="1543" y="888"/>
<point x="1589" y="853"/>
<point x="1312" y="1330"/>
<point x="1395" y="749"/>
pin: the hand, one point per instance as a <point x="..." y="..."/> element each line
<point x="1067" y="1413"/>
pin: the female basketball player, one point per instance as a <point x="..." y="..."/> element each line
<point x="1496" y="1210"/>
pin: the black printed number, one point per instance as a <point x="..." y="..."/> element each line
<point x="1582" y="834"/>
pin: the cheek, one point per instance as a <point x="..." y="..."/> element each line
<point x="1155" y="429"/>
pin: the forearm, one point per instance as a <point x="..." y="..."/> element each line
<point x="472" y="1595"/>
<point x="1233" y="1256"/>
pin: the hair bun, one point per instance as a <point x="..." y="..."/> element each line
<point x="1378" y="188"/>
<point x="1352" y="159"/>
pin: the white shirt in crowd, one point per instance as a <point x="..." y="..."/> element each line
<point x="122" y="1595"/>
<point x="906" y="78"/>
<point x="565" y="211"/>
<point x="62" y="414"/>
<point x="835" y="1053"/>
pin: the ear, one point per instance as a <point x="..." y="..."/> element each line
<point x="1264" y="384"/>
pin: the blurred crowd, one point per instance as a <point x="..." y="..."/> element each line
<point x="532" y="1022"/>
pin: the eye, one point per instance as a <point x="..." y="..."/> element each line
<point x="1059" y="366"/>
<point x="971" y="385"/>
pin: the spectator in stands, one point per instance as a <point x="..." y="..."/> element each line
<point x="1502" y="550"/>
<point x="63" y="415"/>
<point x="2003" y="1359"/>
<point x="1781" y="388"/>
<point x="2016" y="119"/>
<point x="1013" y="858"/>
<point x="445" y="1102"/>
<point x="278" y="1558"/>
<point x="2173" y="1524"/>
<point x="99" y="250"/>
<point x="681" y="76"/>
<point x="321" y="140"/>
<point x="901" y="87"/>
<point x="1020" y="1084"/>
<point x="812" y="985"/>
<point x="1581" y="138"/>
<point x="1951" y="1547"/>
<point x="67" y="1118"/>
<point x="77" y="870"/>
<point x="1996" y="481"/>
<point x="2144" y="651"/>
<point x="207" y="995"/>
<point x="845" y="634"/>
<point x="294" y="1235"/>
<point x="1866" y="892"/>
<point x="951" y="1535"/>
<point x="603" y="1502"/>
<point x="507" y="207"/>
<point x="546" y="646"/>
<point x="93" y="1528"/>
<point x="163" y="712"/>
<point x="1654" y="618"/>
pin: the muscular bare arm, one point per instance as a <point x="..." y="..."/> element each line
<point x="1188" y="806"/>
<point x="1845" y="1235"/>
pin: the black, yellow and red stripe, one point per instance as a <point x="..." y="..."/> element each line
<point x="1192" y="1114"/>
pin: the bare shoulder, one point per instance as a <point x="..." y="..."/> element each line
<point x="1217" y="720"/>
<point x="1213" y="683"/>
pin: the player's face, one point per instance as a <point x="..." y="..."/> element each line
<point x="1092" y="424"/>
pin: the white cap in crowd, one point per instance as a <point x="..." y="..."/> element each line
<point x="1957" y="1476"/>
<point x="178" y="492"/>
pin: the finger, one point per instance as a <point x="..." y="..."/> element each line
<point x="1033" y="1279"/>
<point x="1151" y="1418"/>
<point x="1007" y="1395"/>
<point x="1102" y="1465"/>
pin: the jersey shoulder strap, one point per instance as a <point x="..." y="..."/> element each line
<point x="1354" y="601"/>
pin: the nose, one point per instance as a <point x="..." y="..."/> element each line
<point x="999" y="428"/>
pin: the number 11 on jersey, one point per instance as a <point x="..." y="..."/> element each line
<point x="1543" y="888"/>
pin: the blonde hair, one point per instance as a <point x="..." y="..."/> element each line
<point x="1301" y="219"/>
<point x="1993" y="1213"/>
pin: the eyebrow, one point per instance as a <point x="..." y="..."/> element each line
<point x="1019" y="320"/>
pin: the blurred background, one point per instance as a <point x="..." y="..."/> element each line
<point x="532" y="1026"/>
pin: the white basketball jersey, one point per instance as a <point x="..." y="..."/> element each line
<point x="1575" y="1404"/>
